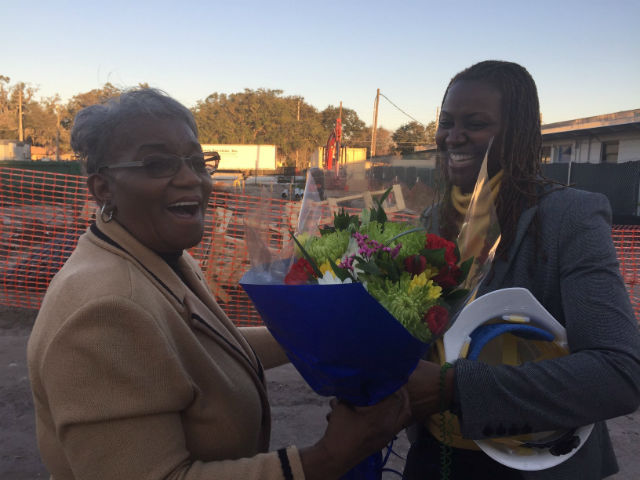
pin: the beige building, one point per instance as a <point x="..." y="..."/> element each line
<point x="610" y="138"/>
<point x="14" y="150"/>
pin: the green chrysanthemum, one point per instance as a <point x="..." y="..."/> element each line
<point x="412" y="243"/>
<point x="407" y="302"/>
<point x="328" y="247"/>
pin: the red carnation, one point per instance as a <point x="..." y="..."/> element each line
<point x="435" y="242"/>
<point x="437" y="318"/>
<point x="300" y="273"/>
<point x="415" y="264"/>
<point x="448" y="276"/>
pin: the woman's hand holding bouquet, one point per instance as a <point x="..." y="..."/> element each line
<point x="353" y="433"/>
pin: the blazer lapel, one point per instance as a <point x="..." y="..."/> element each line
<point x="500" y="268"/>
<point x="122" y="243"/>
<point x="194" y="297"/>
<point x="217" y="326"/>
<point x="209" y="318"/>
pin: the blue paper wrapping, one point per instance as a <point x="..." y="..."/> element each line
<point x="341" y="340"/>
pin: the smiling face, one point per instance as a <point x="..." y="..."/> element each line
<point x="164" y="214"/>
<point x="470" y="118"/>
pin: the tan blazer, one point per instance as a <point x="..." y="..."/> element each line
<point x="136" y="376"/>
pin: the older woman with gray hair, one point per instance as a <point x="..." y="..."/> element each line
<point x="136" y="371"/>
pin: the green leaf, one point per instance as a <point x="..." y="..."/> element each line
<point x="306" y="255"/>
<point x="401" y="234"/>
<point x="370" y="268"/>
<point x="464" y="269"/>
<point x="381" y="216"/>
<point x="457" y="299"/>
<point x="326" y="230"/>
<point x="365" y="217"/>
<point x="341" y="273"/>
<point x="434" y="257"/>
<point x="384" y="196"/>
<point x="341" y="220"/>
<point x="377" y="213"/>
<point x="456" y="295"/>
<point x="457" y="251"/>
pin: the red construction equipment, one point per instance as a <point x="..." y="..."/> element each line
<point x="332" y="150"/>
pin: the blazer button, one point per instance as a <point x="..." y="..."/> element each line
<point x="514" y="430"/>
<point x="487" y="431"/>
<point x="526" y="428"/>
<point x="501" y="431"/>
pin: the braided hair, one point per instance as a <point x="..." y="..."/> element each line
<point x="520" y="144"/>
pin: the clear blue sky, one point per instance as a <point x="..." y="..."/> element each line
<point x="584" y="55"/>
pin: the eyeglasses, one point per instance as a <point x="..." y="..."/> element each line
<point x="160" y="165"/>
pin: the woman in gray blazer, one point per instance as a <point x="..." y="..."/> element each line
<point x="556" y="242"/>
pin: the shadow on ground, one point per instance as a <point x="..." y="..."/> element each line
<point x="298" y="413"/>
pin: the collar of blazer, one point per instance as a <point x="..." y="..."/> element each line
<point x="197" y="302"/>
<point x="500" y="268"/>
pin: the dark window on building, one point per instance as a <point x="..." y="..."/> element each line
<point x="609" y="152"/>
<point x="546" y="154"/>
<point x="564" y="153"/>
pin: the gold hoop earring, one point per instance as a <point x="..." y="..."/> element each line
<point x="106" y="217"/>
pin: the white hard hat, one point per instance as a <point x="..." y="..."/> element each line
<point x="481" y="331"/>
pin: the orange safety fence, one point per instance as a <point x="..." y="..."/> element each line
<point x="626" y="239"/>
<point x="43" y="214"/>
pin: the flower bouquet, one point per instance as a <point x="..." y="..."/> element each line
<point x="361" y="294"/>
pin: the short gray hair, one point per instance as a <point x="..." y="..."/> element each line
<point x="94" y="126"/>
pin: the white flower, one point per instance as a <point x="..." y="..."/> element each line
<point x="352" y="250"/>
<point x="329" y="278"/>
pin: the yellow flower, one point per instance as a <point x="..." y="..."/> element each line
<point x="431" y="271"/>
<point x="326" y="266"/>
<point x="435" y="291"/>
<point x="426" y="285"/>
<point x="418" y="281"/>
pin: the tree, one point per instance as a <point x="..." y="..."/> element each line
<point x="16" y="100"/>
<point x="352" y="126"/>
<point x="77" y="103"/>
<point x="260" y="117"/>
<point x="40" y="123"/>
<point x="4" y="80"/>
<point x="82" y="100"/>
<point x="384" y="142"/>
<point x="8" y="124"/>
<point x="430" y="132"/>
<point x="408" y="136"/>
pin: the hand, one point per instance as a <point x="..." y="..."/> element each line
<point x="353" y="433"/>
<point x="424" y="390"/>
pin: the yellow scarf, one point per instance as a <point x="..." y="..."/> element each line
<point x="477" y="234"/>
<point x="473" y="246"/>
<point x="461" y="200"/>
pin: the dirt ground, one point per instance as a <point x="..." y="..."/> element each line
<point x="298" y="413"/>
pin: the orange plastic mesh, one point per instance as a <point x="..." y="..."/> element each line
<point x="43" y="214"/>
<point x="626" y="239"/>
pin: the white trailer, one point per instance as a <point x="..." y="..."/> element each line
<point x="248" y="159"/>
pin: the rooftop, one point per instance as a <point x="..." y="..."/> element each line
<point x="608" y="123"/>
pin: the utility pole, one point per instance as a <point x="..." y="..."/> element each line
<point x="57" y="133"/>
<point x="20" y="130"/>
<point x="374" y="128"/>
<point x="339" y="139"/>
<point x="298" y="119"/>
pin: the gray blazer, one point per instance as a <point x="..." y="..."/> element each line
<point x="579" y="283"/>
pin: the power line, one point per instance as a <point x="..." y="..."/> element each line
<point x="412" y="118"/>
